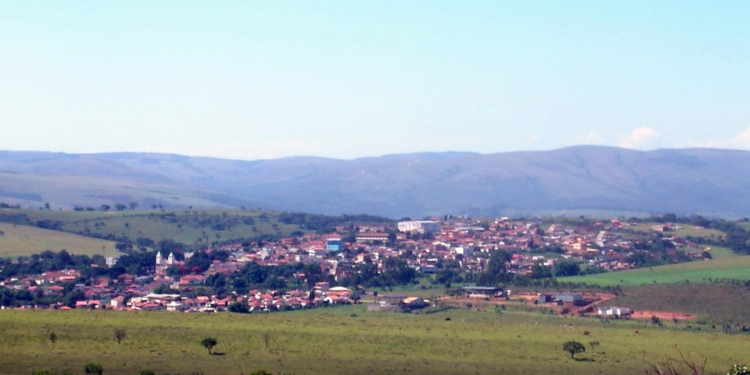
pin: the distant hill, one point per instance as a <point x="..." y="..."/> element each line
<point x="17" y="240"/>
<point x="583" y="179"/>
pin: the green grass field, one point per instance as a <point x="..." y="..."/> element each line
<point x="725" y="265"/>
<point x="713" y="303"/>
<point x="346" y="340"/>
<point x="184" y="226"/>
<point x="683" y="230"/>
<point x="19" y="240"/>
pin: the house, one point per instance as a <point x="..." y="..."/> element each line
<point x="616" y="312"/>
<point x="414" y="303"/>
<point x="334" y="243"/>
<point x="573" y="298"/>
<point x="482" y="291"/>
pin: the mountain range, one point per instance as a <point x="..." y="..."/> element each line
<point x="580" y="179"/>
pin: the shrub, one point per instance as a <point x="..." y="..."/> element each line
<point x="93" y="369"/>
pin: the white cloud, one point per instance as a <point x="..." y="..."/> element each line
<point x="739" y="141"/>
<point x="639" y="138"/>
<point x="589" y="139"/>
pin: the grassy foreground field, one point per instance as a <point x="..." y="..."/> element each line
<point x="725" y="265"/>
<point x="16" y="240"/>
<point x="346" y="340"/>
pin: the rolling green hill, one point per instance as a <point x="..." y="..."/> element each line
<point x="184" y="226"/>
<point x="17" y="240"/>
<point x="725" y="265"/>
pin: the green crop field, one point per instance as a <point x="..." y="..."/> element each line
<point x="712" y="303"/>
<point x="683" y="230"/>
<point x="346" y="340"/>
<point x="16" y="240"/>
<point x="184" y="226"/>
<point x="725" y="265"/>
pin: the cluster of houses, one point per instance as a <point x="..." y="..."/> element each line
<point x="423" y="244"/>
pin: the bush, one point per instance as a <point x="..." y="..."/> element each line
<point x="93" y="369"/>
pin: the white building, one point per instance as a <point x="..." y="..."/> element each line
<point x="421" y="226"/>
<point x="613" y="311"/>
<point x="162" y="264"/>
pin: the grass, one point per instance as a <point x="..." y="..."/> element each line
<point x="683" y="230"/>
<point x="345" y="340"/>
<point x="183" y="226"/>
<point x="17" y="240"/>
<point x="713" y="303"/>
<point x="725" y="265"/>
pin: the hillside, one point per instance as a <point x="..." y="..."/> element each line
<point x="585" y="179"/>
<point x="724" y="265"/>
<point x="16" y="240"/>
<point x="182" y="226"/>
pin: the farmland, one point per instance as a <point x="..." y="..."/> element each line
<point x="724" y="265"/>
<point x="185" y="226"/>
<point x="345" y="340"/>
<point x="682" y="230"/>
<point x="713" y="303"/>
<point x="19" y="240"/>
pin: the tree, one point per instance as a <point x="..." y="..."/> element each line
<point x="567" y="268"/>
<point x="573" y="347"/>
<point x="497" y="270"/>
<point x="209" y="343"/>
<point x="120" y="334"/>
<point x="93" y="369"/>
<point x="540" y="271"/>
<point x="238" y="307"/>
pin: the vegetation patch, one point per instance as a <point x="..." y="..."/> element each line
<point x="331" y="341"/>
<point x="724" y="265"/>
<point x="716" y="304"/>
<point x="22" y="240"/>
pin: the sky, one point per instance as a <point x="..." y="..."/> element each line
<point x="347" y="79"/>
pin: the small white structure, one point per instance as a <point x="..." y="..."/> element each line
<point x="615" y="312"/>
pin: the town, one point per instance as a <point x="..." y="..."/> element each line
<point x="343" y="266"/>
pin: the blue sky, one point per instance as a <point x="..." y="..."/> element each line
<point x="347" y="79"/>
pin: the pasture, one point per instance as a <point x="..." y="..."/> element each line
<point x="183" y="226"/>
<point x="682" y="230"/>
<point x="724" y="265"/>
<point x="347" y="340"/>
<point x="17" y="240"/>
<point x="713" y="303"/>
